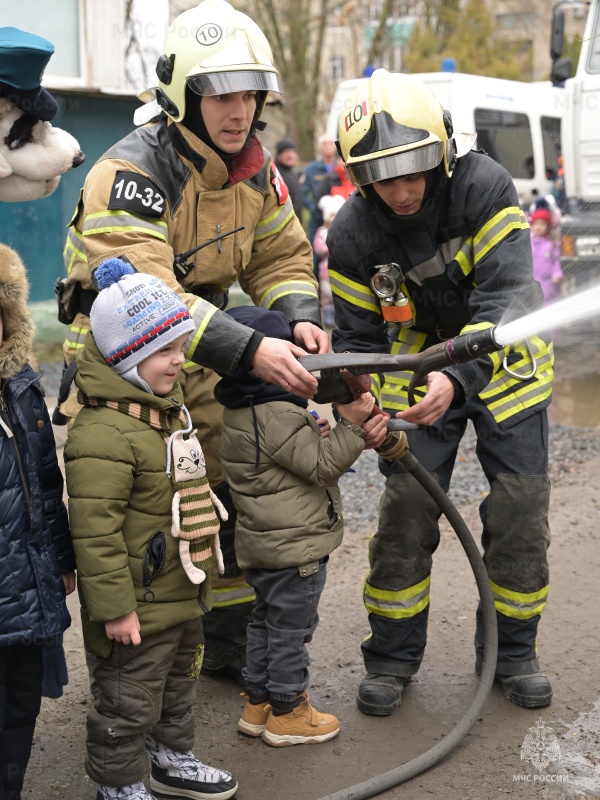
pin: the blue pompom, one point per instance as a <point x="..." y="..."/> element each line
<point x="111" y="271"/>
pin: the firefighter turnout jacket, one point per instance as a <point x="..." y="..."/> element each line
<point x="161" y="192"/>
<point x="466" y="266"/>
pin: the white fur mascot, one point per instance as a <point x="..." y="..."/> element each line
<point x="33" y="154"/>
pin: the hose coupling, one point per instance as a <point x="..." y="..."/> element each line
<point x="394" y="445"/>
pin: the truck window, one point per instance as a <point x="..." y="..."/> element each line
<point x="552" y="145"/>
<point x="506" y="137"/>
<point x="594" y="52"/>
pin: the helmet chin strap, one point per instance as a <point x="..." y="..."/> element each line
<point x="435" y="183"/>
<point x="194" y="121"/>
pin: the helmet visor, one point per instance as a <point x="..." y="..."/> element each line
<point x="395" y="166"/>
<point x="226" y="82"/>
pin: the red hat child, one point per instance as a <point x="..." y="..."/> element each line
<point x="544" y="214"/>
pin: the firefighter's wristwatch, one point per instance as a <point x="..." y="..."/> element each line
<point x="353" y="427"/>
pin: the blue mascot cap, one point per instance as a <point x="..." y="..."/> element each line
<point x="23" y="59"/>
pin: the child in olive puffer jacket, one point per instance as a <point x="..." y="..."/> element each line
<point x="283" y="476"/>
<point x="141" y="608"/>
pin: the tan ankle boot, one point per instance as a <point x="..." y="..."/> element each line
<point x="302" y="725"/>
<point x="254" y="717"/>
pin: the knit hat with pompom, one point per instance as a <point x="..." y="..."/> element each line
<point x="134" y="316"/>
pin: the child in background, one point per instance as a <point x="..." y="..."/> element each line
<point x="329" y="206"/>
<point x="283" y="478"/>
<point x="546" y="255"/>
<point x="141" y="614"/>
<point x="37" y="564"/>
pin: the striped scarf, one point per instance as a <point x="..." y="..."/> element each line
<point x="199" y="524"/>
<point x="161" y="420"/>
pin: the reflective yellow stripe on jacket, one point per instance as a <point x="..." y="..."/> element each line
<point x="232" y="595"/>
<point x="353" y="292"/>
<point x="74" y="249"/>
<point x="496" y="229"/>
<point x="506" y="395"/>
<point x="518" y="605"/>
<point x="394" y="394"/>
<point x="284" y="288"/>
<point x="123" y="222"/>
<point x="76" y="337"/>
<point x="273" y="224"/>
<point x="201" y="311"/>
<point x="397" y="605"/>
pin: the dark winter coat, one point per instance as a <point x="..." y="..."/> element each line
<point x="467" y="266"/>
<point x="35" y="543"/>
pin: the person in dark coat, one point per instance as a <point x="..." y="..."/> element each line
<point x="286" y="159"/>
<point x="37" y="563"/>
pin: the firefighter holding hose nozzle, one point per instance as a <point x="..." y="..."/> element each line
<point x="434" y="245"/>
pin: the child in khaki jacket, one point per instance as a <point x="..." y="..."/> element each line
<point x="283" y="478"/>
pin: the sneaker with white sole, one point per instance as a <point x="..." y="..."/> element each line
<point x="302" y="725"/>
<point x="182" y="775"/>
<point x="254" y="717"/>
<point x="135" y="791"/>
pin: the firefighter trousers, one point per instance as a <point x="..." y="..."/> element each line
<point x="515" y="540"/>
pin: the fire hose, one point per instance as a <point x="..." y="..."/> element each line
<point x="339" y="381"/>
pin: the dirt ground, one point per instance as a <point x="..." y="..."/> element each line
<point x="491" y="762"/>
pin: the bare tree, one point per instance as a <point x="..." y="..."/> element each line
<point x="140" y="58"/>
<point x="296" y="32"/>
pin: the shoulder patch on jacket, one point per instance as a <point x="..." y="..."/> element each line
<point x="134" y="192"/>
<point x="279" y="185"/>
<point x="151" y="149"/>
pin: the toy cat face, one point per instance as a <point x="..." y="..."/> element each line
<point x="188" y="459"/>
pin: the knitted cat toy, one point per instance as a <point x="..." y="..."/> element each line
<point x="195" y="522"/>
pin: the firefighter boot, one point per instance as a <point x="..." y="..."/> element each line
<point x="380" y="695"/>
<point x="528" y="691"/>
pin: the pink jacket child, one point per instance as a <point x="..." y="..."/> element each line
<point x="329" y="205"/>
<point x="546" y="255"/>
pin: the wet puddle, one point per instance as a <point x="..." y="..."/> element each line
<point x="576" y="401"/>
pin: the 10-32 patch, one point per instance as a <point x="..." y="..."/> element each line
<point x="134" y="192"/>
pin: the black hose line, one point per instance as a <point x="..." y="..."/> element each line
<point x="387" y="780"/>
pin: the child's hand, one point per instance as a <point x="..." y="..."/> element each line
<point x="324" y="424"/>
<point x="68" y="581"/>
<point x="359" y="410"/>
<point x="124" y="629"/>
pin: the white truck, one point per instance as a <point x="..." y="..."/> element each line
<point x="580" y="110"/>
<point x="517" y="123"/>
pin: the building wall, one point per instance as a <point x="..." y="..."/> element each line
<point x="37" y="230"/>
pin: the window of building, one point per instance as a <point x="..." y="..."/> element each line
<point x="60" y="26"/>
<point x="336" y="68"/>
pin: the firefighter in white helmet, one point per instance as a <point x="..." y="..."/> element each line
<point x="432" y="245"/>
<point x="198" y="174"/>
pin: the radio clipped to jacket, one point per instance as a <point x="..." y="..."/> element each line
<point x="387" y="285"/>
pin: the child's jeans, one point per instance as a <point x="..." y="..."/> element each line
<point x="21" y="670"/>
<point x="284" y="619"/>
<point x="148" y="688"/>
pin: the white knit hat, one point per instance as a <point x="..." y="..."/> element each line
<point x="330" y="204"/>
<point x="134" y="316"/>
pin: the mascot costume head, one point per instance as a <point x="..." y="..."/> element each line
<point x="33" y="154"/>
